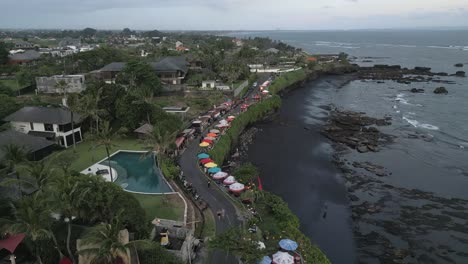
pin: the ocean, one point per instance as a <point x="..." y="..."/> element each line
<point x="419" y="210"/>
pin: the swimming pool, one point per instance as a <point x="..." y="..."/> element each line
<point x="138" y="173"/>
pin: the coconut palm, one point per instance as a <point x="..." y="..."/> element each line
<point x="105" y="136"/>
<point x="30" y="217"/>
<point x="37" y="175"/>
<point x="160" y="141"/>
<point x="106" y="246"/>
<point x="14" y="156"/>
<point x="66" y="196"/>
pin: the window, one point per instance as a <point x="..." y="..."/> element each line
<point x="31" y="125"/>
<point x="48" y="127"/>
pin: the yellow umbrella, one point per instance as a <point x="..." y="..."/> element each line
<point x="211" y="165"/>
<point x="204" y="144"/>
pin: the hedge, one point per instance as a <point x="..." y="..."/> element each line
<point x="286" y="79"/>
<point x="255" y="113"/>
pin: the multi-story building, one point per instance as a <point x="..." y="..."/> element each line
<point x="52" y="123"/>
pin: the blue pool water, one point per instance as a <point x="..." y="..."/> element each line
<point x="138" y="173"/>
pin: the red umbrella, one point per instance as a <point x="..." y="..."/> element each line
<point x="12" y="242"/>
<point x="204" y="161"/>
<point x="207" y="141"/>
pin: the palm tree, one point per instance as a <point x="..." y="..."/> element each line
<point x="145" y="94"/>
<point x="107" y="238"/>
<point x="30" y="217"/>
<point x="13" y="156"/>
<point x="38" y="173"/>
<point x="160" y="140"/>
<point x="66" y="195"/>
<point x="105" y="137"/>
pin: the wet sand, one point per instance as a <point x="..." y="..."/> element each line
<point x="295" y="161"/>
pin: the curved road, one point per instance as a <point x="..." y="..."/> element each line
<point x="213" y="196"/>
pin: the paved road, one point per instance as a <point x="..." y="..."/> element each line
<point x="213" y="196"/>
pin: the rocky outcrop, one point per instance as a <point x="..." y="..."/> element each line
<point x="401" y="75"/>
<point x="459" y="65"/>
<point x="356" y="130"/>
<point x="417" y="90"/>
<point x="440" y="90"/>
<point x="460" y="74"/>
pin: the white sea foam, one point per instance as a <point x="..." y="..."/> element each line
<point x="417" y="124"/>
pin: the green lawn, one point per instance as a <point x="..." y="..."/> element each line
<point x="12" y="84"/>
<point x="171" y="207"/>
<point x="87" y="155"/>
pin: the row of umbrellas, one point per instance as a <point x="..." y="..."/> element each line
<point x="209" y="138"/>
<point x="217" y="174"/>
<point x="282" y="257"/>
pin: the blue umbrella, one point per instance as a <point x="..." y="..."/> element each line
<point x="203" y="156"/>
<point x="214" y="170"/>
<point x="288" y="244"/>
<point x="265" y="260"/>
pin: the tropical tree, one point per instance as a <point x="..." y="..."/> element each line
<point x="238" y="242"/>
<point x="37" y="174"/>
<point x="30" y="217"/>
<point x="14" y="156"/>
<point x="159" y="140"/>
<point x="67" y="194"/>
<point x="110" y="247"/>
<point x="105" y="136"/>
<point x="138" y="74"/>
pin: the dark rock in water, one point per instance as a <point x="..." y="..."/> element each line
<point x="440" y="90"/>
<point x="362" y="149"/>
<point x="422" y="69"/>
<point x="460" y="74"/>
<point x="459" y="65"/>
<point x="417" y="90"/>
<point x="442" y="74"/>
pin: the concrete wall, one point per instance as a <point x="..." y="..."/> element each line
<point x="76" y="83"/>
<point x="241" y="87"/>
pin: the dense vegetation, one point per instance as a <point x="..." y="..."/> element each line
<point x="255" y="113"/>
<point x="286" y="80"/>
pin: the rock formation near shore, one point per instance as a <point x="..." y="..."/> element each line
<point x="440" y="90"/>
<point x="417" y="90"/>
<point x="459" y="65"/>
<point x="356" y="130"/>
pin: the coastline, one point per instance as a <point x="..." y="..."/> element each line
<point x="370" y="198"/>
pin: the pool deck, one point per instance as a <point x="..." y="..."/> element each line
<point x="94" y="168"/>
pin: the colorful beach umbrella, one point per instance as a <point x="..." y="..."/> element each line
<point x="220" y="175"/>
<point x="211" y="135"/>
<point x="210" y="138"/>
<point x="211" y="165"/>
<point x="205" y="161"/>
<point x="207" y="141"/>
<point x="214" y="170"/>
<point x="236" y="187"/>
<point x="203" y="156"/>
<point x="265" y="260"/>
<point x="204" y="144"/>
<point x="288" y="244"/>
<point x="283" y="258"/>
<point x="216" y="131"/>
<point x="229" y="180"/>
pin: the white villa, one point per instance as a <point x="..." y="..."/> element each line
<point x="52" y="123"/>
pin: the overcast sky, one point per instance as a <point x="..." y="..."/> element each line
<point x="232" y="14"/>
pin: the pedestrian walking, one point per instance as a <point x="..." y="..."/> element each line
<point x="209" y="183"/>
<point x="219" y="214"/>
